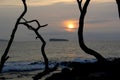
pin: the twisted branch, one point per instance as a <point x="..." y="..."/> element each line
<point x="47" y="69"/>
<point x="83" y="11"/>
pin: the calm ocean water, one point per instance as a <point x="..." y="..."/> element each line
<point x="25" y="53"/>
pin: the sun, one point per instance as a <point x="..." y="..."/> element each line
<point x="71" y="26"/>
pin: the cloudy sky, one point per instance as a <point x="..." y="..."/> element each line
<point x="62" y="16"/>
<point x="43" y="2"/>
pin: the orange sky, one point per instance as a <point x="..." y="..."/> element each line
<point x="70" y="25"/>
<point x="102" y="18"/>
<point x="43" y="2"/>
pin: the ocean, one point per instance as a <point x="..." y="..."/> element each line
<point x="26" y="55"/>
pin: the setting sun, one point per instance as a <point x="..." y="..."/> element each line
<point x="71" y="26"/>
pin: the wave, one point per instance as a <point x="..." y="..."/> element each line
<point x="24" y="66"/>
<point x="31" y="66"/>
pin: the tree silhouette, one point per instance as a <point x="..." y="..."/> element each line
<point x="83" y="11"/>
<point x="26" y="23"/>
<point x="47" y="69"/>
<point x="118" y="4"/>
<point x="4" y="56"/>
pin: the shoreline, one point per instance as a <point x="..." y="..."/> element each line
<point x="80" y="69"/>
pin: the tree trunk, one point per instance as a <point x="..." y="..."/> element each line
<point x="80" y="32"/>
<point x="4" y="56"/>
<point x="47" y="69"/>
<point x="26" y="23"/>
<point x="43" y="50"/>
<point x="118" y="4"/>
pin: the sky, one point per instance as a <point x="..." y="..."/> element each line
<point x="43" y="2"/>
<point x="62" y="16"/>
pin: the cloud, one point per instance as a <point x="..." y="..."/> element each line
<point x="33" y="2"/>
<point x="99" y="17"/>
<point x="47" y="2"/>
<point x="43" y="2"/>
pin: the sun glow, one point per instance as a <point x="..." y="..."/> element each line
<point x="70" y="25"/>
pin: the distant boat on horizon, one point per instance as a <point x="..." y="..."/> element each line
<point x="53" y="39"/>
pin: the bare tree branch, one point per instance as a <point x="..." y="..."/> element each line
<point x="80" y="4"/>
<point x="80" y="33"/>
<point x="47" y="69"/>
<point x="118" y="4"/>
<point x="86" y="6"/>
<point x="38" y="36"/>
<point x="4" y="56"/>
<point x="39" y="26"/>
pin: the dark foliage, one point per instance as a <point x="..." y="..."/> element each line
<point x="89" y="71"/>
<point x="45" y="72"/>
